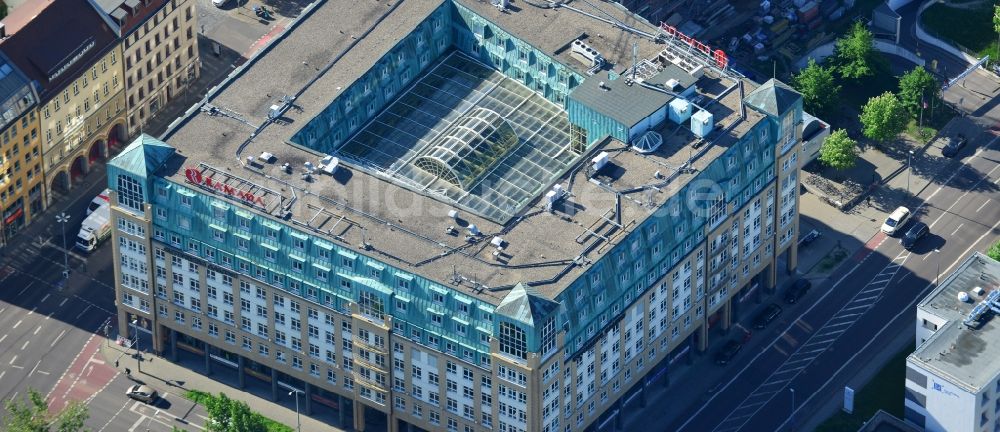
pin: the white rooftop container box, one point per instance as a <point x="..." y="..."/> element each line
<point x="702" y="123"/>
<point x="679" y="110"/>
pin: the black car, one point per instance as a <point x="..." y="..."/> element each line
<point x="798" y="289"/>
<point x="954" y="145"/>
<point x="914" y="234"/>
<point x="770" y="313"/>
<point x="728" y="351"/>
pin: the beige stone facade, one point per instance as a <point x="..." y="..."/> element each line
<point x="161" y="60"/>
<point x="82" y="121"/>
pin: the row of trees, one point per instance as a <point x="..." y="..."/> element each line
<point x="883" y="117"/>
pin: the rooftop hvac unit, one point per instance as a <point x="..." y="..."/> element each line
<point x="330" y="164"/>
<point x="672" y="84"/>
<point x="702" y="123"/>
<point x="600" y="161"/>
<point x="963" y="296"/>
<point x="267" y="157"/>
<point x="453" y="214"/>
<point x="679" y="110"/>
<point x="496" y="241"/>
<point x="978" y="291"/>
<point x="584" y="50"/>
<point x="474" y="230"/>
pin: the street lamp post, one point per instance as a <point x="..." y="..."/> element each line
<point x="298" y="420"/>
<point x="909" y="170"/>
<point x="63" y="218"/>
<point x="138" y="354"/>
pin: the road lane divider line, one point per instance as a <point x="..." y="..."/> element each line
<point x="860" y="259"/>
<point x="25" y="344"/>
<point x="906" y="309"/>
<point x="34" y="368"/>
<point x="63" y="302"/>
<point x="958" y="228"/>
<point x="45" y="298"/>
<point x="12" y="360"/>
<point x="37" y="329"/>
<point x="983" y="205"/>
<point x="17" y="324"/>
<point x="57" y="339"/>
<point x="83" y="312"/>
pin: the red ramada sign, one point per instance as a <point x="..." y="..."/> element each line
<point x="194" y="176"/>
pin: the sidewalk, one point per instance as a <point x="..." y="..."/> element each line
<point x="165" y="376"/>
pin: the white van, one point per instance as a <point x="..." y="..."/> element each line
<point x="101" y="200"/>
<point x="896" y="220"/>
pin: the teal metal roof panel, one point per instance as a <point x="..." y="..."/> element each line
<point x="143" y="156"/>
<point x="773" y="98"/>
<point x="526" y="305"/>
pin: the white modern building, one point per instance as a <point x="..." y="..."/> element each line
<point x="953" y="377"/>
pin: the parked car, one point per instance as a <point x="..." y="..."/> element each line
<point x="896" y="220"/>
<point x="770" y="313"/>
<point x="797" y="290"/>
<point x="955" y="144"/>
<point x="219" y="3"/>
<point x="915" y="233"/>
<point x="728" y="351"/>
<point x="142" y="393"/>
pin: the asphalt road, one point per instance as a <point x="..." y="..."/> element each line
<point x="866" y="307"/>
<point x="43" y="320"/>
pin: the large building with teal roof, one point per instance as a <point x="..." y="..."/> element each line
<point x="456" y="215"/>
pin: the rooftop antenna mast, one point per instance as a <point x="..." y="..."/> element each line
<point x="635" y="58"/>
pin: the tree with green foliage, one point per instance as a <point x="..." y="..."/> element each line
<point x="996" y="24"/>
<point x="839" y="151"/>
<point x="818" y="87"/>
<point x="230" y="415"/>
<point x="883" y="117"/>
<point x="33" y="415"/>
<point x="916" y="87"/>
<point x="854" y="53"/>
<point x="994" y="251"/>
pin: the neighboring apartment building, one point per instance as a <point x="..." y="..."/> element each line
<point x="953" y="377"/>
<point x="71" y="54"/>
<point x="160" y="46"/>
<point x="20" y="151"/>
<point x="470" y="219"/>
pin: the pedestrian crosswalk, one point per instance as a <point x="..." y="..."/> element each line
<point x="814" y="346"/>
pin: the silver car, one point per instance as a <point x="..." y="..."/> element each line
<point x="142" y="393"/>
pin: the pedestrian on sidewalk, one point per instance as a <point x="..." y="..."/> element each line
<point x="868" y="200"/>
<point x="128" y="372"/>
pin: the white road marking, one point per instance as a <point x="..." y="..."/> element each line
<point x="114" y="416"/>
<point x="958" y="228"/>
<point x="63" y="302"/>
<point x="83" y="312"/>
<point x="45" y="298"/>
<point x="17" y="324"/>
<point x="981" y="207"/>
<point x="37" y="329"/>
<point x="32" y="311"/>
<point x="12" y="360"/>
<point x="25" y="344"/>
<point x="34" y="368"/>
<point x="857" y="265"/>
<point x="2" y="373"/>
<point x="57" y="339"/>
<point x="917" y="297"/>
<point x="23" y="290"/>
<point x="2" y="338"/>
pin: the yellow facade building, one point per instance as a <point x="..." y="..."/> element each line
<point x="79" y="80"/>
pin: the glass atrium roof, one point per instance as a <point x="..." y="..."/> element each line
<point x="467" y="134"/>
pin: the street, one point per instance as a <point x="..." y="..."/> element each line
<point x="871" y="304"/>
<point x="51" y="328"/>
